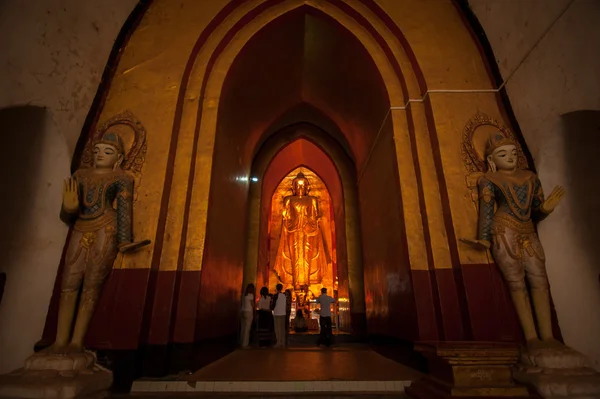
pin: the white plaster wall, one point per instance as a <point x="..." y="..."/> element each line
<point x="53" y="55"/>
<point x="548" y="51"/>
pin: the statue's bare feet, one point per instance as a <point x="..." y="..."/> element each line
<point x="74" y="348"/>
<point x="552" y="343"/>
<point x="534" y="344"/>
<point x="56" y="349"/>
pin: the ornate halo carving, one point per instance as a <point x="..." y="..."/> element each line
<point x="474" y="162"/>
<point x="135" y="156"/>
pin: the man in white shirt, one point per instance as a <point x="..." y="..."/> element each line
<point x="279" y="314"/>
<point x="326" y="334"/>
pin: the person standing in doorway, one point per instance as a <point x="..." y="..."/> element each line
<point x="288" y="314"/>
<point x="325" y="301"/>
<point x="279" y="313"/>
<point x="264" y="326"/>
<point x="247" y="314"/>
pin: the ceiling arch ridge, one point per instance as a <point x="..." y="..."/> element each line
<point x="319" y="146"/>
<point x="313" y="134"/>
<point x="399" y="46"/>
<point x="237" y="21"/>
<point x="364" y="13"/>
<point x="306" y="114"/>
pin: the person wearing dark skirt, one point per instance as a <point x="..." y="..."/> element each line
<point x="326" y="335"/>
<point x="264" y="327"/>
<point x="288" y="314"/>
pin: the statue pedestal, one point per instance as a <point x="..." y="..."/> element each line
<point x="51" y="376"/>
<point x="468" y="370"/>
<point x="558" y="372"/>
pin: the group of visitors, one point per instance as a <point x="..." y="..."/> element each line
<point x="273" y="316"/>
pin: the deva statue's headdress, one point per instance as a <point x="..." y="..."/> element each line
<point x="113" y="139"/>
<point x="496" y="141"/>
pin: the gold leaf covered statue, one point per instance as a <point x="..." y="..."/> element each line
<point x="511" y="200"/>
<point x="303" y="258"/>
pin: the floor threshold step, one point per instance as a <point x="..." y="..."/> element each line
<point x="146" y="386"/>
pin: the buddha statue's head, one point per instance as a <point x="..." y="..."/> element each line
<point x="501" y="153"/>
<point x="108" y="151"/>
<point x="300" y="185"/>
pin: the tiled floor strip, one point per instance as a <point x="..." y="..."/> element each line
<point x="270" y="386"/>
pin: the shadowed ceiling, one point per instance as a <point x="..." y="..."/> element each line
<point x="303" y="67"/>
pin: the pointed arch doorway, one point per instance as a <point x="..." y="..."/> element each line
<point x="304" y="146"/>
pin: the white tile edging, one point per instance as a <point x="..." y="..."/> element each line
<point x="270" y="386"/>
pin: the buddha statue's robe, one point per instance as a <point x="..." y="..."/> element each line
<point x="302" y="256"/>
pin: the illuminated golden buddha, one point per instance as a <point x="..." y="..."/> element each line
<point x="302" y="257"/>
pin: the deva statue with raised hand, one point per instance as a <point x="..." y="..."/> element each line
<point x="98" y="203"/>
<point x="511" y="200"/>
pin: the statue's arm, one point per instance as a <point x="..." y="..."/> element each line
<point x="537" y="212"/>
<point x="315" y="205"/>
<point x="67" y="217"/>
<point x="486" y="209"/>
<point x="125" y="210"/>
<point x="286" y="207"/>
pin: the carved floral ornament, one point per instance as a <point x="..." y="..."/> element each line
<point x="474" y="138"/>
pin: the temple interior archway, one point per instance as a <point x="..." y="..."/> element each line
<point x="284" y="76"/>
<point x="374" y="97"/>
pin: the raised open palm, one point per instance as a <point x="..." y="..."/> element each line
<point x="70" y="197"/>
<point x="553" y="199"/>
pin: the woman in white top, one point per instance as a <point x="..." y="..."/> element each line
<point x="247" y="314"/>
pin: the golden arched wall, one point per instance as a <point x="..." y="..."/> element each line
<point x="170" y="76"/>
<point x="152" y="66"/>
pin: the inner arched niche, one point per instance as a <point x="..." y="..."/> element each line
<point x="318" y="189"/>
<point x="302" y="152"/>
<point x="307" y="144"/>
<point x="301" y="62"/>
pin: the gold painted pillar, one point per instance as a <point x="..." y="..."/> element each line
<point x="417" y="248"/>
<point x="356" y="278"/>
<point x="431" y="189"/>
<point x="252" y="234"/>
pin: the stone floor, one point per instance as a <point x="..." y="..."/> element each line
<point x="305" y="364"/>
<point x="260" y="395"/>
<point x="343" y="372"/>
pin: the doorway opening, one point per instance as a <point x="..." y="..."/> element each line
<point x="329" y="223"/>
<point x="301" y="230"/>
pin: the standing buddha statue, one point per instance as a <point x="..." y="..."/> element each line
<point x="302" y="258"/>
<point x="511" y="200"/>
